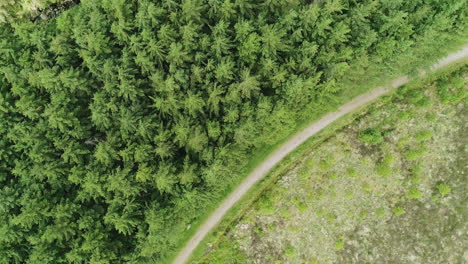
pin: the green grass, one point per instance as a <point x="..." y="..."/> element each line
<point x="236" y="213"/>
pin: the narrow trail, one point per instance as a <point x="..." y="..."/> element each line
<point x="290" y="145"/>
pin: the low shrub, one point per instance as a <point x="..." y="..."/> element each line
<point x="414" y="154"/>
<point x="424" y="135"/>
<point x="451" y="91"/>
<point x="384" y="168"/>
<point x="398" y="211"/>
<point x="371" y="136"/>
<point x="339" y="244"/>
<point x="444" y="189"/>
<point x="414" y="193"/>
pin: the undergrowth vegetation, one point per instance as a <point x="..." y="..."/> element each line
<point x="384" y="189"/>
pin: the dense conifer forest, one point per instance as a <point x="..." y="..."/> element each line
<point x="122" y="121"/>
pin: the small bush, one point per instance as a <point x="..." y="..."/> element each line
<point x="424" y="135"/>
<point x="417" y="97"/>
<point x="431" y="117"/>
<point x="325" y="164"/>
<point x="330" y="159"/>
<point x="414" y="193"/>
<point x="384" y="168"/>
<point x="403" y="142"/>
<point x="290" y="251"/>
<point x="351" y="172"/>
<point x="265" y="205"/>
<point x="339" y="244"/>
<point x="416" y="170"/>
<point x="398" y="211"/>
<point x="452" y="91"/>
<point x="301" y="206"/>
<point x="415" y="154"/>
<point x="331" y="217"/>
<point x="272" y="227"/>
<point x="333" y="176"/>
<point x="304" y="173"/>
<point x="258" y="230"/>
<point x="367" y="187"/>
<point x="415" y="179"/>
<point x="320" y="212"/>
<point x="405" y="115"/>
<point x="371" y="136"/>
<point x="424" y="102"/>
<point x="387" y="133"/>
<point x="444" y="189"/>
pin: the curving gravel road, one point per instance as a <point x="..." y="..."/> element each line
<point x="290" y="145"/>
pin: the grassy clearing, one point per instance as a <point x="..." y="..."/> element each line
<point x="353" y="182"/>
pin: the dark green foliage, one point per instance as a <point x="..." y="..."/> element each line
<point x="404" y="115"/>
<point x="371" y="136"/>
<point x="122" y="121"/>
<point x="452" y="91"/>
<point x="384" y="168"/>
<point x="444" y="189"/>
<point x="417" y="97"/>
<point x="424" y="135"/>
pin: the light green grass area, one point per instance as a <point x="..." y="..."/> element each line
<point x="388" y="187"/>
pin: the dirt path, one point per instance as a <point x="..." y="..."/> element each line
<point x="290" y="145"/>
